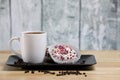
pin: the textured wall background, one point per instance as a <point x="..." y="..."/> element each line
<point x="100" y="24"/>
<point x="86" y="24"/>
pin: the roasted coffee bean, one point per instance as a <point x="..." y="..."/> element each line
<point x="32" y="72"/>
<point x="72" y="72"/>
<point x="52" y="73"/>
<point x="45" y="72"/>
<point x="83" y="62"/>
<point x="20" y="60"/>
<point x="68" y="73"/>
<point x="64" y="73"/>
<point x="47" y="53"/>
<point x="27" y="71"/>
<point x="59" y="75"/>
<point x="85" y="75"/>
<point x="59" y="71"/>
<point x="15" y="63"/>
<point x="77" y="72"/>
<point x="80" y="73"/>
<point x="39" y="71"/>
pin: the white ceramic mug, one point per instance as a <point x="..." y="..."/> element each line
<point x="33" y="46"/>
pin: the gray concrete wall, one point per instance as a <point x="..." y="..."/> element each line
<point x="86" y="24"/>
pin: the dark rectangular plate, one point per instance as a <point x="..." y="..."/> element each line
<point x="48" y="64"/>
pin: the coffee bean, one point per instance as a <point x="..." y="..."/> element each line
<point x="45" y="72"/>
<point x="20" y="60"/>
<point x="83" y="62"/>
<point x="42" y="71"/>
<point x="50" y="72"/>
<point x="85" y="75"/>
<point x="32" y="72"/>
<point x="38" y="70"/>
<point x="68" y="73"/>
<point x="27" y="71"/>
<point x="61" y="73"/>
<point x="77" y="72"/>
<point x="15" y="63"/>
<point x="80" y="73"/>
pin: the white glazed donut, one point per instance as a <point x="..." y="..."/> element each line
<point x="62" y="53"/>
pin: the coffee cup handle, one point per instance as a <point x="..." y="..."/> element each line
<point x="10" y="45"/>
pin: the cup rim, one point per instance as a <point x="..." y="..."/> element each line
<point x="26" y="32"/>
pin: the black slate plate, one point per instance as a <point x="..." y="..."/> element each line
<point x="48" y="64"/>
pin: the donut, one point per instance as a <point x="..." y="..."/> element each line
<point x="62" y="53"/>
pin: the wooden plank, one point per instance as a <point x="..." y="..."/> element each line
<point x="4" y="24"/>
<point x="108" y="70"/>
<point x="26" y="16"/>
<point x="61" y="21"/>
<point x="118" y="25"/>
<point x="98" y="25"/>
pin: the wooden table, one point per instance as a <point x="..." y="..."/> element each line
<point x="107" y="68"/>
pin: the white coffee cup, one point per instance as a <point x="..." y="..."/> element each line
<point x="33" y="46"/>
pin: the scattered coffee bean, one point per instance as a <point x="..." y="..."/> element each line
<point x="32" y="72"/>
<point x="45" y="72"/>
<point x="15" y="63"/>
<point x="47" y="53"/>
<point x="85" y="75"/>
<point x="80" y="73"/>
<point x="52" y="73"/>
<point x="27" y="71"/>
<point x="61" y="73"/>
<point x="48" y="72"/>
<point x="72" y="72"/>
<point x="77" y="72"/>
<point x="20" y="60"/>
<point x="68" y="73"/>
<point x="41" y="71"/>
<point x="83" y="62"/>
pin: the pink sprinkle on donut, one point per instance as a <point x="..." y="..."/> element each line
<point x="63" y="53"/>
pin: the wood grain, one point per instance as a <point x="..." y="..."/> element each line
<point x="61" y="21"/>
<point x="118" y="24"/>
<point x="4" y="24"/>
<point x="107" y="67"/>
